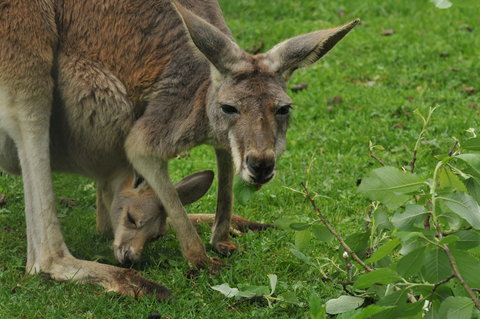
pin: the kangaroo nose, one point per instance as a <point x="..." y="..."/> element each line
<point x="261" y="169"/>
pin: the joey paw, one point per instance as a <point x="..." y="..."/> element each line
<point x="225" y="248"/>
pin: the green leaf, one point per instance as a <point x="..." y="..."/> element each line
<point x="377" y="276"/>
<point x="317" y="309"/>
<point x="436" y="266"/>
<point x="322" y="233"/>
<point x="243" y="191"/>
<point x="473" y="161"/>
<point x="473" y="187"/>
<point x="382" y="220"/>
<point x="467" y="239"/>
<point x="226" y="290"/>
<point x="413" y="215"/>
<point x="358" y="242"/>
<point x="456" y="307"/>
<point x="302" y="238"/>
<point x="289" y="297"/>
<point x="370" y="311"/>
<point x="450" y="239"/>
<point x="411" y="263"/>
<point x="299" y="226"/>
<point x="448" y="180"/>
<point x="284" y="222"/>
<point x="472" y="144"/>
<point x="307" y="260"/>
<point x="273" y="282"/>
<point x="384" y="250"/>
<point x="464" y="206"/>
<point x="252" y="290"/>
<point x="343" y="304"/>
<point x="468" y="267"/>
<point x="389" y="186"/>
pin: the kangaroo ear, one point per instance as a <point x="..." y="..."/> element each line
<point x="193" y="187"/>
<point x="216" y="46"/>
<point x="305" y="49"/>
<point x="137" y="180"/>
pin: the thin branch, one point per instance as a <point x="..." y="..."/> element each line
<point x="459" y="276"/>
<point x="424" y="128"/>
<point x="375" y="157"/>
<point x="452" y="149"/>
<point x="441" y="282"/>
<point x="414" y="159"/>
<point x="334" y="233"/>
<point x="451" y="259"/>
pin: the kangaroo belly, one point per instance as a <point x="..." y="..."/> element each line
<point x="91" y="118"/>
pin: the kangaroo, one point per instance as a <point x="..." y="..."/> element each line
<point x="95" y="86"/>
<point x="136" y="203"/>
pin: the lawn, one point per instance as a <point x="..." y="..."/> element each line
<point x="405" y="56"/>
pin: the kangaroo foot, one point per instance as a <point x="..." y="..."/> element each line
<point x="120" y="280"/>
<point x="225" y="248"/>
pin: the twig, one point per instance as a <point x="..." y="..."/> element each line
<point x="414" y="159"/>
<point x="424" y="128"/>
<point x="375" y="157"/>
<point x="441" y="282"/>
<point x="452" y="149"/>
<point x="333" y="232"/>
<point x="451" y="259"/>
<point x="457" y="274"/>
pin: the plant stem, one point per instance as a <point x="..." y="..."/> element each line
<point x="417" y="144"/>
<point x="451" y="259"/>
<point x="458" y="275"/>
<point x="333" y="232"/>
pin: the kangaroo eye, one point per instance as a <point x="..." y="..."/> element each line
<point x="130" y="219"/>
<point x="229" y="109"/>
<point x="284" y="110"/>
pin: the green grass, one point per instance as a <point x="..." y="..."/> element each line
<point x="426" y="62"/>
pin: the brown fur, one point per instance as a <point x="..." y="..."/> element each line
<point x="97" y="86"/>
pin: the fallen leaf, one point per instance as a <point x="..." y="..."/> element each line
<point x="399" y="125"/>
<point x="329" y="108"/>
<point x="419" y="88"/>
<point x="336" y="100"/>
<point x="299" y="87"/>
<point x="470" y="90"/>
<point x="472" y="105"/>
<point x="370" y="83"/>
<point x="69" y="202"/>
<point x="388" y="32"/>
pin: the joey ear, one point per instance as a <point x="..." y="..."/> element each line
<point x="137" y="180"/>
<point x="193" y="187"/>
<point x="220" y="49"/>
<point x="306" y="49"/>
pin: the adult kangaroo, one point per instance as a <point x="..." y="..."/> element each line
<point x="95" y="86"/>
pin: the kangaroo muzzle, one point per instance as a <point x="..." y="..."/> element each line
<point x="261" y="168"/>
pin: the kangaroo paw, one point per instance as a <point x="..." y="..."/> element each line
<point x="225" y="248"/>
<point x="120" y="280"/>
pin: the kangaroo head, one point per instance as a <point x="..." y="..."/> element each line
<point x="247" y="104"/>
<point x="138" y="216"/>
